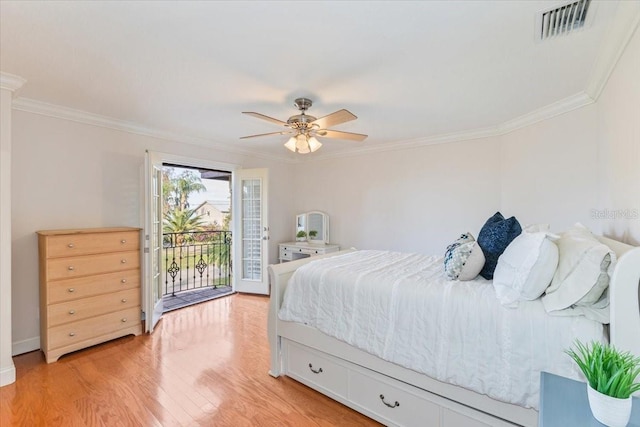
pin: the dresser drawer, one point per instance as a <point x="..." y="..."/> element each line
<point x="82" y="287"/>
<point x="72" y="311"/>
<point x="285" y="254"/>
<point x="71" y="333"/>
<point x="87" y="244"/>
<point x="317" y="370"/>
<point x="64" y="268"/>
<point x="398" y="406"/>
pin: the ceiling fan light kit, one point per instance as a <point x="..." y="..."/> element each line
<point x="305" y="128"/>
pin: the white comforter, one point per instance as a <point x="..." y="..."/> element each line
<point x="401" y="308"/>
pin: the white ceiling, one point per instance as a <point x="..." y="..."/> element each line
<point x="409" y="70"/>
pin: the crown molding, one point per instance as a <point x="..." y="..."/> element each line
<point x="52" y="110"/>
<point x="557" y="108"/>
<point x="11" y="82"/>
<point x="622" y="29"/>
<point x="565" y="105"/>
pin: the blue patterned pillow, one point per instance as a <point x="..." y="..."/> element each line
<point x="494" y="237"/>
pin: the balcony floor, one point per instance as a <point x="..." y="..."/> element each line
<point x="194" y="296"/>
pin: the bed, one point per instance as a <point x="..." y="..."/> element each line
<point x="366" y="370"/>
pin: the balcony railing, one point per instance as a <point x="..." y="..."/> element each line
<point x="196" y="259"/>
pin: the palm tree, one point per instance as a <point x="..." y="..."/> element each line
<point x="176" y="189"/>
<point x="186" y="184"/>
<point x="182" y="221"/>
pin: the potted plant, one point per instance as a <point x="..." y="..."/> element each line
<point x="312" y="237"/>
<point x="301" y="236"/>
<point x="611" y="376"/>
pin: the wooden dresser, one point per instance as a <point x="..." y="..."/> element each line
<point x="89" y="287"/>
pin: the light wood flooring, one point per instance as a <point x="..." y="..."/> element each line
<point x="204" y="365"/>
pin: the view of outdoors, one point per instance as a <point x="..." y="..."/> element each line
<point x="196" y="229"/>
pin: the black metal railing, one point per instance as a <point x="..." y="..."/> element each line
<point x="196" y="259"/>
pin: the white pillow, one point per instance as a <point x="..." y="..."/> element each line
<point x="580" y="285"/>
<point x="526" y="267"/>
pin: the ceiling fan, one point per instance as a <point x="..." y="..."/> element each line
<point x="305" y="128"/>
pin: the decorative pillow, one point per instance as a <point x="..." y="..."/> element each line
<point x="494" y="237"/>
<point x="463" y="259"/>
<point x="580" y="284"/>
<point x="526" y="267"/>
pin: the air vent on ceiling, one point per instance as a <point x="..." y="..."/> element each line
<point x="562" y="20"/>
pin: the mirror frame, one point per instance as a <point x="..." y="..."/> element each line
<point x="302" y="224"/>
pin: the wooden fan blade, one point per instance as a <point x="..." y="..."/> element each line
<point x="326" y="133"/>
<point x="340" y="116"/>
<point x="267" y="118"/>
<point x="284" y="132"/>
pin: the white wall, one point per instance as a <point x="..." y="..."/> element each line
<point x="410" y="200"/>
<point x="550" y="171"/>
<point x="618" y="113"/>
<point x="71" y="175"/>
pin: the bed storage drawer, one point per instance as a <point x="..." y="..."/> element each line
<point x="392" y="402"/>
<point x="315" y="369"/>
<point x="385" y="399"/>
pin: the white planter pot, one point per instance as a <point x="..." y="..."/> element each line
<point x="610" y="411"/>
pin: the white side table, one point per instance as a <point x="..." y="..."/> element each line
<point x="564" y="403"/>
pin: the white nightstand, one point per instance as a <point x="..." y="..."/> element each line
<point x="563" y="403"/>
<point x="292" y="251"/>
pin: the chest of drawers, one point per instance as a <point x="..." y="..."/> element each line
<point x="89" y="287"/>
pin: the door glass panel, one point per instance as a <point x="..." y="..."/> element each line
<point x="251" y="229"/>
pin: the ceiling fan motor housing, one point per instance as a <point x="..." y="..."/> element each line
<point x="303" y="104"/>
<point x="301" y="121"/>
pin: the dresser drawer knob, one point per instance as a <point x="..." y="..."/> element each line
<point x="389" y="404"/>
<point x="71" y="290"/>
<point x="72" y="334"/>
<point x="123" y="320"/>
<point x="72" y="312"/>
<point x="123" y="280"/>
<point x="123" y="261"/>
<point x="70" y="245"/>
<point x="71" y="268"/>
<point x="123" y="300"/>
<point x="123" y="241"/>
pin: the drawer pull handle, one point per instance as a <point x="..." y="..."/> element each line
<point x="319" y="371"/>
<point x="72" y="334"/>
<point x="124" y="261"/>
<point x="71" y="268"/>
<point x="124" y="300"/>
<point x="123" y="281"/>
<point x="70" y="246"/>
<point x="388" y="404"/>
<point x="124" y="319"/>
<point x="71" y="290"/>
<point x="72" y="312"/>
<point x="123" y="241"/>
